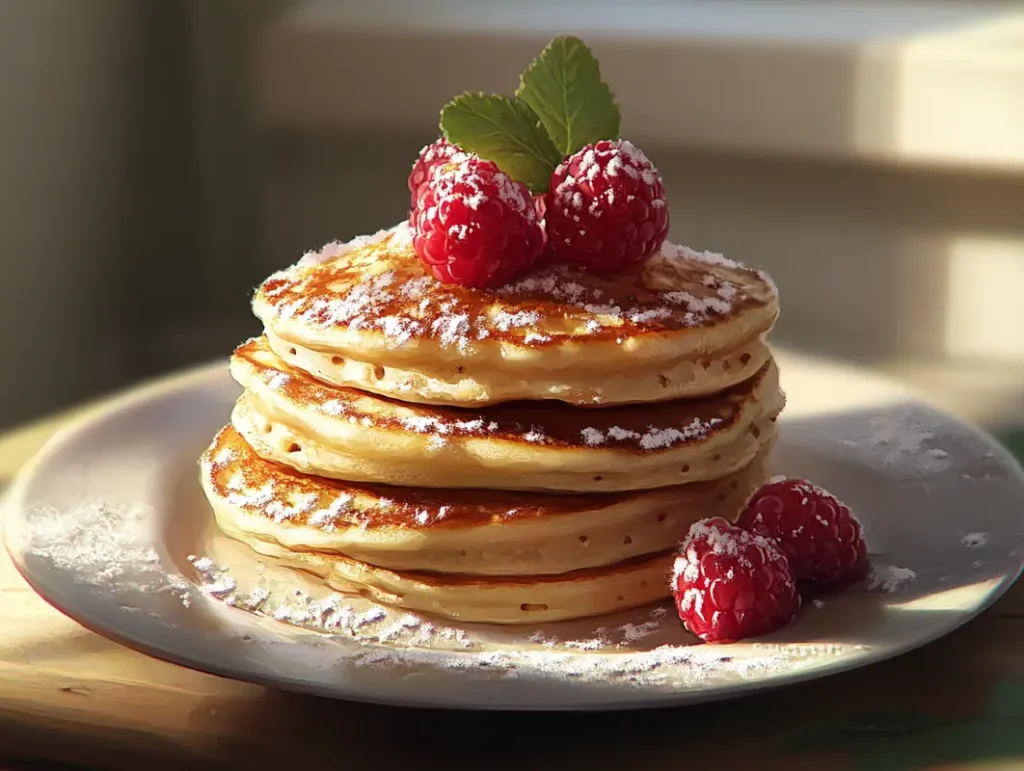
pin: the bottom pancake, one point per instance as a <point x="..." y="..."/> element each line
<point x="488" y="532"/>
<point x="488" y="599"/>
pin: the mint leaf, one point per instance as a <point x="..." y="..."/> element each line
<point x="563" y="87"/>
<point x="504" y="131"/>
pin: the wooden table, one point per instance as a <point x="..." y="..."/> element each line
<point x="68" y="694"/>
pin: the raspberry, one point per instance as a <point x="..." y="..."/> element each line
<point x="729" y="584"/>
<point x="820" y="535"/>
<point x="473" y="225"/>
<point x="541" y="207"/>
<point x="606" y="208"/>
<point x="430" y="157"/>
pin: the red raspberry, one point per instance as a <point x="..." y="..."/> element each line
<point x="541" y="207"/>
<point x="606" y="208"/>
<point x="820" y="535"/>
<point x="430" y="157"/>
<point x="729" y="584"/>
<point x="473" y="225"/>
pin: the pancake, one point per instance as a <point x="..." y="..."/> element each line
<point x="291" y="418"/>
<point x="488" y="599"/>
<point x="456" y="531"/>
<point x="367" y="315"/>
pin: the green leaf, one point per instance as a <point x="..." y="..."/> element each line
<point x="563" y="87"/>
<point x="505" y="131"/>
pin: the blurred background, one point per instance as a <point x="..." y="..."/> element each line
<point x="160" y="158"/>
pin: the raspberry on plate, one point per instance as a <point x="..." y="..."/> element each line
<point x="430" y="157"/>
<point x="819" y="534"/>
<point x="730" y="584"/>
<point x="473" y="225"/>
<point x="606" y="208"/>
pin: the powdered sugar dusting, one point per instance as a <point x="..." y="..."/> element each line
<point x="714" y="298"/>
<point x="408" y="307"/>
<point x="461" y="182"/>
<point x="635" y="632"/>
<point x="336" y="249"/>
<point x="400" y="639"/>
<point x="667" y="430"/>
<point x="732" y="542"/>
<point x="610" y="159"/>
<point x="504" y="321"/>
<point x="258" y="494"/>
<point x="100" y="540"/>
<point x="653" y="438"/>
<point x="889" y="578"/>
<point x="277" y="380"/>
<point x="903" y="435"/>
<point x="668" y="665"/>
<point x="974" y="540"/>
<point x="103" y="544"/>
<point x="680" y="252"/>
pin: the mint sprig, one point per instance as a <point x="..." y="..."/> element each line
<point x="505" y="131"/>
<point x="563" y="86"/>
<point x="561" y="106"/>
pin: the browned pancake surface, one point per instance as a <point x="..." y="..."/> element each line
<point x="640" y="427"/>
<point x="260" y="487"/>
<point x="677" y="289"/>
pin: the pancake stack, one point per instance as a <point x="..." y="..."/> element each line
<point x="515" y="455"/>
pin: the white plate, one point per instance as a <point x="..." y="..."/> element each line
<point x="103" y="522"/>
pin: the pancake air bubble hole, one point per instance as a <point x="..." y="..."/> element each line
<point x="337" y="361"/>
<point x="745" y="359"/>
<point x="378" y="372"/>
<point x="583" y="539"/>
<point x="716" y="456"/>
<point x="756" y="432"/>
<point x="726" y="365"/>
<point x="294" y="447"/>
<point x="292" y="352"/>
<point x="663" y="380"/>
<point x="627" y="540"/>
<point x="598" y="478"/>
<point x="620" y="598"/>
<point x="530" y="607"/>
<point x="685" y="469"/>
<point x="662" y="517"/>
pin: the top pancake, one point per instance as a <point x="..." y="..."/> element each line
<point x="367" y="315"/>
